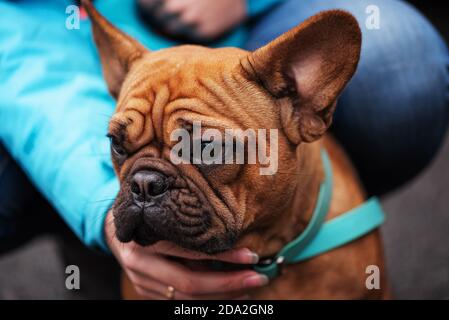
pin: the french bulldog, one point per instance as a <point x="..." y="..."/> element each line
<point x="290" y="85"/>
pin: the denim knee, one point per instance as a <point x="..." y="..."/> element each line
<point x="395" y="111"/>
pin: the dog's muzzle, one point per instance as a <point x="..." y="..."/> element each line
<point x="157" y="204"/>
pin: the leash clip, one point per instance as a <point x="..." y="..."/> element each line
<point x="280" y="263"/>
<point x="272" y="266"/>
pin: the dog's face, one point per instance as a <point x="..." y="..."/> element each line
<point x="290" y="85"/>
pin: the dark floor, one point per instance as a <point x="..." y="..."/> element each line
<point x="415" y="235"/>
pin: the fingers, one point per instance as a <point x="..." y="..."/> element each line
<point x="147" y="294"/>
<point x="209" y="18"/>
<point x="191" y="12"/>
<point x="176" y="6"/>
<point x="190" y="17"/>
<point x="194" y="283"/>
<point x="238" y="256"/>
<point x="202" y="283"/>
<point x="146" y="287"/>
<point x="152" y="273"/>
<point x="153" y="289"/>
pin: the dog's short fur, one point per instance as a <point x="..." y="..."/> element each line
<point x="291" y="84"/>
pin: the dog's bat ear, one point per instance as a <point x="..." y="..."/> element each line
<point x="310" y="65"/>
<point x="117" y="50"/>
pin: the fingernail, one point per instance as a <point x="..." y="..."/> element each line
<point x="257" y="280"/>
<point x="251" y="257"/>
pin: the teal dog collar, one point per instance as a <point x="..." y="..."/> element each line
<point x="320" y="236"/>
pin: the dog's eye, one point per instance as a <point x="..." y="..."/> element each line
<point x="117" y="150"/>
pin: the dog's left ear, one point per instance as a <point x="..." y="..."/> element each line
<point x="309" y="65"/>
<point x="118" y="51"/>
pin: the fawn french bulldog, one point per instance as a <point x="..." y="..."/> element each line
<point x="290" y="85"/>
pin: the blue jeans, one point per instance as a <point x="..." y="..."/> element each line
<point x="393" y="115"/>
<point x="391" y="118"/>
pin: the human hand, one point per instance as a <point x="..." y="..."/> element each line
<point x="152" y="272"/>
<point x="208" y="19"/>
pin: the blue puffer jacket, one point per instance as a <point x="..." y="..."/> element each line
<point x="54" y="105"/>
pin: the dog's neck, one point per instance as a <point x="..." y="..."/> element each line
<point x="268" y="239"/>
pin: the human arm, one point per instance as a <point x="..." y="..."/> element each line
<point x="54" y="110"/>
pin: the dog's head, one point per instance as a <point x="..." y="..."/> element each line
<point x="290" y="85"/>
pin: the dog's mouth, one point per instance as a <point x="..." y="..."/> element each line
<point x="177" y="215"/>
<point x="178" y="212"/>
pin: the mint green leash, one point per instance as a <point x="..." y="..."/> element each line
<point x="320" y="236"/>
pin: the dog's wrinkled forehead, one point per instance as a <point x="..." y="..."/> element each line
<point x="179" y="69"/>
<point x="173" y="86"/>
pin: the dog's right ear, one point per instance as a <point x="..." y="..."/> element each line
<point x="310" y="65"/>
<point x="118" y="51"/>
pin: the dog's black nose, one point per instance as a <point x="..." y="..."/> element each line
<point x="148" y="184"/>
